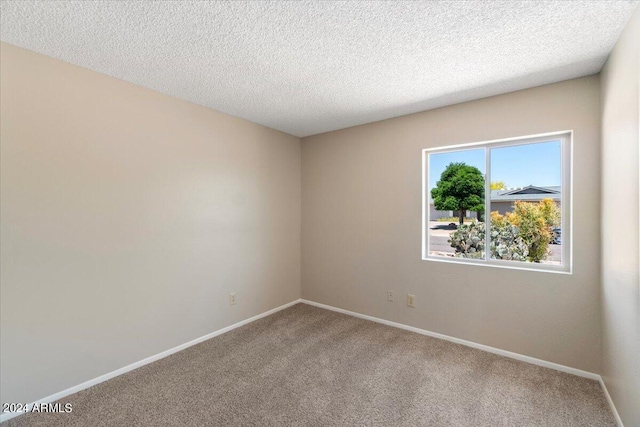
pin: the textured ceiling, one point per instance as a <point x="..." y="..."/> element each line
<point x="308" y="67"/>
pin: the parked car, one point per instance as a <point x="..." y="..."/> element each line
<point x="556" y="239"/>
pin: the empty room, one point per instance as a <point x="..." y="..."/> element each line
<point x="320" y="213"/>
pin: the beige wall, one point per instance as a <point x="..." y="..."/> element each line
<point x="127" y="218"/>
<point x="620" y="223"/>
<point x="361" y="210"/>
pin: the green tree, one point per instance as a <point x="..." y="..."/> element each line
<point x="461" y="188"/>
<point x="498" y="185"/>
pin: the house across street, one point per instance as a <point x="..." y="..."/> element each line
<point x="503" y="200"/>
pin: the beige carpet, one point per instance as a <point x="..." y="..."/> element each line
<point x="305" y="366"/>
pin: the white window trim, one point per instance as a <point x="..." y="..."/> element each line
<point x="566" y="150"/>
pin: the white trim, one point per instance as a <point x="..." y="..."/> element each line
<point x="500" y="352"/>
<point x="487" y="204"/>
<point x="569" y="254"/>
<point x="462" y="146"/>
<point x="566" y="153"/>
<point x="425" y="236"/>
<point x="57" y="396"/>
<point x="610" y="401"/>
<point x="509" y="265"/>
<point x="71" y="390"/>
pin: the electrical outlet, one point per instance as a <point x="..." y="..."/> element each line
<point x="390" y="296"/>
<point x="411" y="300"/>
<point x="232" y="298"/>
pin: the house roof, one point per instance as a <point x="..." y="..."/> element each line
<point x="528" y="193"/>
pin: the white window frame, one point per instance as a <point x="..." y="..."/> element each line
<point x="566" y="206"/>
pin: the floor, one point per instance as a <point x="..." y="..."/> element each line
<point x="305" y="366"/>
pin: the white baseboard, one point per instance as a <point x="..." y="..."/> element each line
<point x="131" y="367"/>
<point x="483" y="347"/>
<point x="613" y="407"/>
<point x="505" y="353"/>
<point x="521" y="357"/>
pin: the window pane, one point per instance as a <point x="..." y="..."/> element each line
<point x="456" y="203"/>
<point x="525" y="202"/>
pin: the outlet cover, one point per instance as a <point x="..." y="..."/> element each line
<point x="411" y="300"/>
<point x="390" y="296"/>
<point x="232" y="298"/>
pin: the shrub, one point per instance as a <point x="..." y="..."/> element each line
<point x="550" y="212"/>
<point x="535" y="222"/>
<point x="468" y="240"/>
<point x="506" y="242"/>
<point x="521" y="235"/>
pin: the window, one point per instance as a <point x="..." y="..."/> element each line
<point x="503" y="203"/>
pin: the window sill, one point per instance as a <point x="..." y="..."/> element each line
<point x="526" y="266"/>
